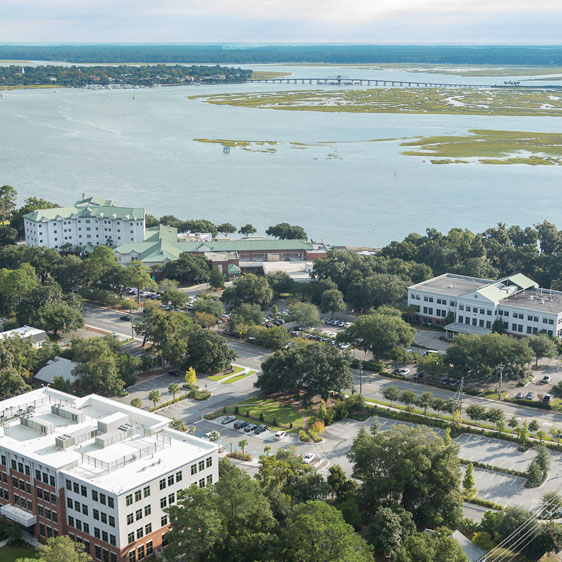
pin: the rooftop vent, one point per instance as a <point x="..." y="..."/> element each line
<point x="75" y="438"/>
<point x="121" y="433"/>
<point x="109" y="423"/>
<point x="41" y="426"/>
<point x="67" y="412"/>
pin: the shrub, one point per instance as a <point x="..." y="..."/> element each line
<point x="483" y="540"/>
<point x="314" y="436"/>
<point x="236" y="410"/>
<point x="261" y="416"/>
<point x="247" y="413"/>
<point x="224" y="409"/>
<point x="483" y="503"/>
<point x="318" y="427"/>
<point x="303" y="436"/>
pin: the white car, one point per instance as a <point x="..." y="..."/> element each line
<point x="308" y="458"/>
<point x="547" y="378"/>
<point x="279" y="435"/>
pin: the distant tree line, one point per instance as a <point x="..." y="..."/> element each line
<point x="434" y="54"/>
<point x="143" y="75"/>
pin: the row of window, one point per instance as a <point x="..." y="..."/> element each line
<point x="139" y="494"/>
<point x="85" y="527"/>
<point x="476" y="322"/>
<point x="20" y="502"/>
<point x="47" y="513"/>
<point x="46" y="531"/>
<point x="99" y="552"/>
<point x="96" y="496"/>
<point x="141" y="532"/>
<point x="23" y="486"/>
<point x="178" y="478"/>
<point x="46" y="495"/>
<point x="139" y="514"/>
<point x="143" y="550"/>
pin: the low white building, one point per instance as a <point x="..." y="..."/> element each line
<point x="97" y="470"/>
<point x="470" y="305"/>
<point x="34" y="335"/>
<point x="57" y="367"/>
<point x="90" y="221"/>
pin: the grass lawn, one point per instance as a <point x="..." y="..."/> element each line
<point x="283" y="413"/>
<point x="12" y="553"/>
<point x="507" y="556"/>
<point x="238" y="377"/>
<point x="237" y="370"/>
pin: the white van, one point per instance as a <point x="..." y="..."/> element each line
<point x="279" y="435"/>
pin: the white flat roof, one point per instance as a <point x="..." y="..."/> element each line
<point x="451" y="284"/>
<point x="23" y="332"/>
<point x="154" y="449"/>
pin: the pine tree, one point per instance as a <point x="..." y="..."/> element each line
<point x="468" y="482"/>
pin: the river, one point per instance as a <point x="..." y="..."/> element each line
<point x="137" y="147"/>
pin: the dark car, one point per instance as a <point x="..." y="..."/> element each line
<point x="240" y="424"/>
<point x="419" y="375"/>
<point x="250" y="427"/>
<point x="174" y="373"/>
<point x="445" y="381"/>
<point x="519" y="396"/>
<point x="260" y="429"/>
<point x="126" y="318"/>
<point x="547" y="398"/>
<point x="530" y="396"/>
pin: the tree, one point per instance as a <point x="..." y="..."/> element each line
<point x="468" y="481"/>
<point x="59" y="317"/>
<point x="340" y="485"/>
<point x="8" y="196"/>
<point x="534" y="426"/>
<point x="191" y="377"/>
<point x="12" y="383"/>
<point x="409" y="397"/>
<point x="425" y="400"/>
<point x="178" y="425"/>
<point x="541" y="435"/>
<point x="495" y="414"/>
<point x="514" y="523"/>
<point x="304" y="314"/>
<point x="542" y="346"/>
<point x="173" y="389"/>
<point x="175" y="298"/>
<point x="513" y="422"/>
<point x="243" y="443"/>
<point x="556" y="389"/>
<point x="440" y="546"/>
<point x="249" y="288"/>
<point x="136" y="402"/>
<point x="317" y="369"/>
<point x="412" y="467"/>
<point x="476" y="412"/>
<point x="332" y="301"/>
<point x="188" y="268"/>
<point x="247" y="229"/>
<point x="246" y="314"/>
<point x="551" y="505"/>
<point x="15" y="286"/>
<point x="209" y="305"/>
<point x="226" y="228"/>
<point x="556" y="432"/>
<point x="317" y="532"/>
<point x="62" y="384"/>
<point x="391" y="393"/>
<point x="376" y="290"/>
<point x="285" y="231"/>
<point x="216" y="278"/>
<point x="8" y="235"/>
<point x="275" y="337"/>
<point x="523" y="432"/>
<point x="60" y="549"/>
<point x="539" y="467"/>
<point x="389" y="529"/>
<point x="208" y="352"/>
<point x="137" y="275"/>
<point x="381" y="333"/>
<point x="154" y="396"/>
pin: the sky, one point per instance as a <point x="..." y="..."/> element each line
<point x="318" y="21"/>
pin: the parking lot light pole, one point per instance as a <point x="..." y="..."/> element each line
<point x="501" y="366"/>
<point x="360" y="365"/>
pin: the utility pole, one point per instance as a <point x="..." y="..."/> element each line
<point x="501" y="366"/>
<point x="360" y="365"/>
<point x="457" y="402"/>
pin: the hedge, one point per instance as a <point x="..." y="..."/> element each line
<point x="495" y="468"/>
<point x="168" y="403"/>
<point x="484" y="503"/>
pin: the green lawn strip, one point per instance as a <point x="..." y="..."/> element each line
<point x="237" y="370"/>
<point x="506" y="555"/>
<point x="238" y="377"/>
<point x="12" y="553"/>
<point x="283" y="413"/>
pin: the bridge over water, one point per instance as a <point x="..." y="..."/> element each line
<point x="344" y="81"/>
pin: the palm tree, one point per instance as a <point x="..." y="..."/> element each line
<point x="243" y="444"/>
<point x="136" y="402"/>
<point x="178" y="425"/>
<point x="154" y="396"/>
<point x="266" y="450"/>
<point x="409" y="398"/>
<point x="425" y="400"/>
<point x="214" y="436"/>
<point x="541" y="435"/>
<point x="173" y="389"/>
<point x="556" y="432"/>
<point x="500" y="425"/>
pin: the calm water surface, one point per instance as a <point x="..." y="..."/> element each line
<point x="141" y="152"/>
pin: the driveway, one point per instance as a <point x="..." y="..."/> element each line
<point x="430" y="339"/>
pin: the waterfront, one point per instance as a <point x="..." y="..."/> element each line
<point x="141" y="151"/>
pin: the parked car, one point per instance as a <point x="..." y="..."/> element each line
<point x="419" y="375"/>
<point x="547" y="398"/>
<point x="260" y="429"/>
<point x="429" y="352"/>
<point x="240" y="424"/>
<point x="126" y="318"/>
<point x="445" y="380"/>
<point x="530" y="396"/>
<point x="279" y="435"/>
<point x="174" y="373"/>
<point x="547" y="378"/>
<point x="519" y="396"/>
<point x="403" y="371"/>
<point x="228" y="419"/>
<point x="250" y="427"/>
<point x="308" y="458"/>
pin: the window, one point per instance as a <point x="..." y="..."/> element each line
<point x="77" y="506"/>
<point x="147" y="510"/>
<point x="68" y="482"/>
<point x="201" y="465"/>
<point x="132" y="556"/>
<point x="51" y="481"/>
<point x="468" y="308"/>
<point x="86" y="528"/>
<point x="138" y="514"/>
<point x="103" y="517"/>
<point x="171" y="480"/>
<point x="461" y="306"/>
<point x="140" y="532"/>
<point x="131" y="538"/>
<point x="98" y="552"/>
<point x="87" y="546"/>
<point x="171" y="498"/>
<point x="97" y="533"/>
<point x="163" y="520"/>
<point x="138" y="496"/>
<point x="140" y="551"/>
<point x="111" y="521"/>
<point x="112" y="540"/>
<point x="40" y="495"/>
<point x="146" y="491"/>
<point x="42" y="529"/>
<point x="53" y="498"/>
<point x="70" y="520"/>
<point x="148" y="529"/>
<point x="110" y="502"/>
<point x="514" y="327"/>
<point x="84" y="509"/>
<point x="94" y="495"/>
<point x="163" y="502"/>
<point x="56" y="517"/>
<point x="178" y="476"/>
<point x="104" y="536"/>
<point x="130" y="518"/>
<point x="529" y="329"/>
<point x="162" y="483"/>
<point x="202" y="483"/>
<point x="165" y="539"/>
<point x="48" y="513"/>
<point x="209" y="479"/>
<point x="209" y="462"/>
<point x="79" y="524"/>
<point x="113" y="557"/>
<point x="193" y="469"/>
<point x="149" y="548"/>
<point x="102" y="499"/>
<point x="105" y="555"/>
<point x="96" y="515"/>
<point x="129" y="499"/>
<point x="76" y="488"/>
<point x="488" y="324"/>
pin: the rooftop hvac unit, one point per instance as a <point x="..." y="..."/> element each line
<point x="75" y="438"/>
<point x="41" y="426"/>
<point x="112" y="437"/>
<point x="109" y="423"/>
<point x="67" y="412"/>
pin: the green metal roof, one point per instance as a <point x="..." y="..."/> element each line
<point x="233" y="268"/>
<point x="496" y="292"/>
<point x="94" y="201"/>
<point x="125" y="213"/>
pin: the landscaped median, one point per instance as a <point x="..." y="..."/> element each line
<point x="238" y="373"/>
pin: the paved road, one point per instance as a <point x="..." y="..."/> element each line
<point x="374" y="385"/>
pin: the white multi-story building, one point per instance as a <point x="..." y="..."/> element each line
<point x="89" y="222"/>
<point x="97" y="470"/>
<point x="469" y="305"/>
